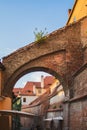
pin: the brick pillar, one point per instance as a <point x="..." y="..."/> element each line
<point x="66" y="115"/>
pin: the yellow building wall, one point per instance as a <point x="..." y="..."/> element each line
<point x="41" y="91"/>
<point x="52" y="87"/>
<point x="79" y="11"/>
<point x="5" y="104"/>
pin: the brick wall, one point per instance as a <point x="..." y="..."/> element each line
<point x="78" y="115"/>
<point x="67" y="38"/>
<point x="84" y="115"/>
<point x="78" y="104"/>
<point x="75" y="116"/>
<point x="80" y="83"/>
<point x="85" y="54"/>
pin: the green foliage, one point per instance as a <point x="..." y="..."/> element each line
<point x="17" y="104"/>
<point x="40" y="36"/>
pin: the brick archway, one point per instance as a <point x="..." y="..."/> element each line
<point x="44" y="64"/>
<point x="62" y="52"/>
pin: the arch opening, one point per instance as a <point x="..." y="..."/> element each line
<point x="18" y="74"/>
<point x="55" y="95"/>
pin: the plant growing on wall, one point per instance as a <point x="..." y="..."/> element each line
<point x="40" y="36"/>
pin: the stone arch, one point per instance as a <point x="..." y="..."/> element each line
<point x="61" y="52"/>
<point x="54" y="63"/>
<point x="18" y="74"/>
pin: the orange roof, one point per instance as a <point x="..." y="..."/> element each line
<point x="48" y="80"/>
<point x="28" y="88"/>
<point x="37" y="84"/>
<point x="17" y="90"/>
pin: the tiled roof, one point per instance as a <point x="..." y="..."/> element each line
<point x="16" y="91"/>
<point x="48" y="80"/>
<point x="37" y="84"/>
<point x="28" y="88"/>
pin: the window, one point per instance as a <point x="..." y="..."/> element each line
<point x="24" y="99"/>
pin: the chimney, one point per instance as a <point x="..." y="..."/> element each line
<point x="69" y="11"/>
<point x="42" y="81"/>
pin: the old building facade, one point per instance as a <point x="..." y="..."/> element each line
<point x="64" y="55"/>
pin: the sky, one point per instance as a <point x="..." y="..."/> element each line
<point x="19" y="18"/>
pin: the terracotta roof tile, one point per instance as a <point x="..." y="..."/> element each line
<point x="48" y="80"/>
<point x="28" y="88"/>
